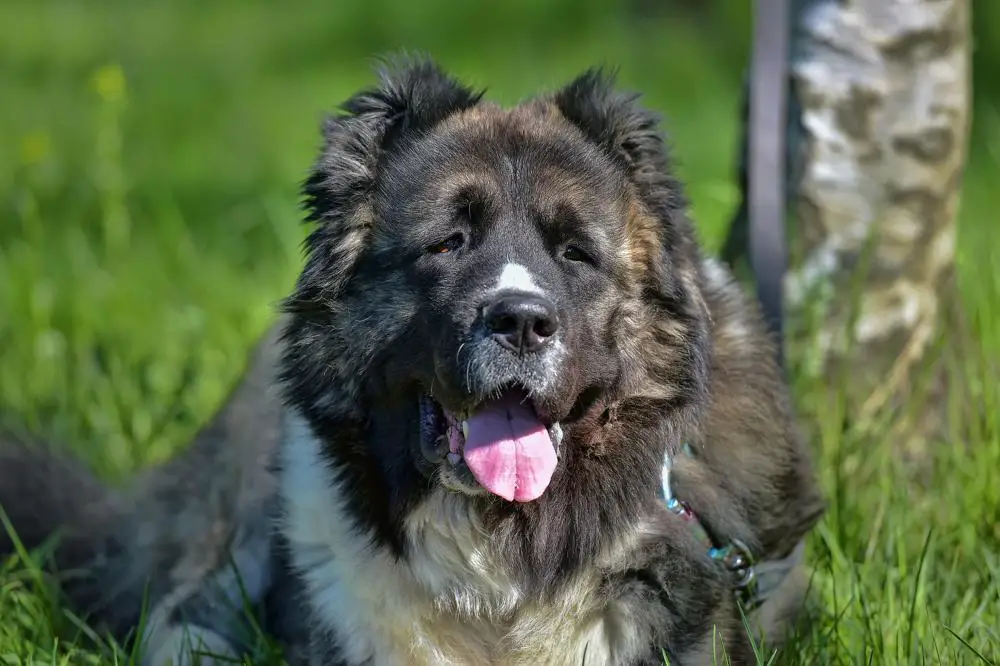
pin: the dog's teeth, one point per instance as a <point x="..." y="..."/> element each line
<point x="557" y="433"/>
<point x="454" y="458"/>
<point x="465" y="429"/>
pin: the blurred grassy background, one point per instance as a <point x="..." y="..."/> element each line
<point x="150" y="155"/>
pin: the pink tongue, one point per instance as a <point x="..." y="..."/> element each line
<point x="509" y="451"/>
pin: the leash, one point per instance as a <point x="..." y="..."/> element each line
<point x="768" y="107"/>
<point x="758" y="228"/>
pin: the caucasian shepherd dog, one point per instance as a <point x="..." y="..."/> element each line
<point x="521" y="419"/>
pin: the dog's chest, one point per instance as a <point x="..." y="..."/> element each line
<point x="450" y="602"/>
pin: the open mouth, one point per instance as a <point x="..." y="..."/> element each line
<point x="510" y="451"/>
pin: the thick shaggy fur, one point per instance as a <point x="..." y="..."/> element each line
<point x="428" y="201"/>
<point x="168" y="542"/>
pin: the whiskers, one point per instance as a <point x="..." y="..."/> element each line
<point x="488" y="370"/>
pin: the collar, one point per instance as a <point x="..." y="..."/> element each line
<point x="753" y="581"/>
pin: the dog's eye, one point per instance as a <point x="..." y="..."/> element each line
<point x="573" y="253"/>
<point x="450" y="244"/>
<point x="470" y="211"/>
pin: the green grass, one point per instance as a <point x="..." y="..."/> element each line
<point x="149" y="223"/>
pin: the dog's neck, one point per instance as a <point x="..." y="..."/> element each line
<point x="456" y="596"/>
<point x="538" y="543"/>
<point x="447" y="564"/>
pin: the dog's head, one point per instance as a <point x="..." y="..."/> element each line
<point x="496" y="279"/>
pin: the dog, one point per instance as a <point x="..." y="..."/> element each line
<point x="512" y="414"/>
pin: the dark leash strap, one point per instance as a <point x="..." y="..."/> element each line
<point x="766" y="157"/>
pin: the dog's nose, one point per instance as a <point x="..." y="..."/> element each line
<point x="522" y="323"/>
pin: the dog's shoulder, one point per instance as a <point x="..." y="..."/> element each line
<point x="750" y="474"/>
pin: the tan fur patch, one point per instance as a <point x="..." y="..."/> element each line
<point x="642" y="233"/>
<point x="536" y="119"/>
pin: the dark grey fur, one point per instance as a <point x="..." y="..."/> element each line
<point x="167" y="541"/>
<point x="658" y="352"/>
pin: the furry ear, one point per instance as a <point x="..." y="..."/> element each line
<point x="414" y="95"/>
<point x="631" y="135"/>
<point x="628" y="132"/>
